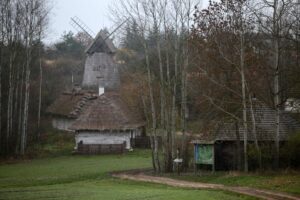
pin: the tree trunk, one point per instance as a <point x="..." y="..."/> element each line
<point x="238" y="145"/>
<point x="168" y="106"/>
<point x="1" y="65"/>
<point x="277" y="105"/>
<point x="168" y="114"/>
<point x="174" y="95"/>
<point x="153" y="111"/>
<point x="20" y="114"/>
<point x="245" y="126"/>
<point x="276" y="80"/>
<point x="25" y="111"/>
<point x="40" y="93"/>
<point x="27" y="84"/>
<point x="151" y="136"/>
<point x="254" y="132"/>
<point x="184" y="89"/>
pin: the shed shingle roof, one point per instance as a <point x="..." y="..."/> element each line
<point x="265" y="123"/>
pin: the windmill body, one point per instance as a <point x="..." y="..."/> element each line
<point x="101" y="69"/>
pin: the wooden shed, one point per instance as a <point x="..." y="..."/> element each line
<point x="225" y="138"/>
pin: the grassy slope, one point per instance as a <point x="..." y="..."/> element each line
<point x="278" y="181"/>
<point x="85" y="177"/>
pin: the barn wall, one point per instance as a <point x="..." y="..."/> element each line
<point x="101" y="64"/>
<point x="106" y="137"/>
<point x="61" y="123"/>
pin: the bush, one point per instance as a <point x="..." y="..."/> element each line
<point x="267" y="155"/>
<point x="290" y="152"/>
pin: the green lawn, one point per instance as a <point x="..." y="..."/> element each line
<point x="86" y="177"/>
<point x="288" y="182"/>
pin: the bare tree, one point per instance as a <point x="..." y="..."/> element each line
<point x="273" y="17"/>
<point x="1" y="64"/>
<point x="40" y="83"/>
<point x="164" y="36"/>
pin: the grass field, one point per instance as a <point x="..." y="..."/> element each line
<point x="86" y="177"/>
<point x="284" y="181"/>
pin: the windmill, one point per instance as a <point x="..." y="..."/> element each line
<point x="100" y="60"/>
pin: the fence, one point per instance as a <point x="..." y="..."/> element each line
<point x="101" y="148"/>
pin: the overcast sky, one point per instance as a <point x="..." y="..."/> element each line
<point x="94" y="13"/>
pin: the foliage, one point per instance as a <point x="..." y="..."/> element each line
<point x="290" y="151"/>
<point x="267" y="155"/>
<point x="69" y="46"/>
<point x="53" y="143"/>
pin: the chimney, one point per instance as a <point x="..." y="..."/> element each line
<point x="101" y="85"/>
<point x="100" y="91"/>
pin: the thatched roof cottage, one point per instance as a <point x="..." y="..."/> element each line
<point x="108" y="120"/>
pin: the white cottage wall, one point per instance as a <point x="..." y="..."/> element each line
<point x="107" y="137"/>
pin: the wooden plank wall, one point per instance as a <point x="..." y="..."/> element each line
<point x="91" y="149"/>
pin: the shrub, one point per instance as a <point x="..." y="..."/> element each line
<point x="290" y="152"/>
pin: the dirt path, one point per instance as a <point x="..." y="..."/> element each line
<point x="259" y="193"/>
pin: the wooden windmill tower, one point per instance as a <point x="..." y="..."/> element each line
<point x="100" y="60"/>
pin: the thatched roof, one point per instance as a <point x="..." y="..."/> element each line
<point x="108" y="112"/>
<point x="101" y="44"/>
<point x="265" y="123"/>
<point x="70" y="105"/>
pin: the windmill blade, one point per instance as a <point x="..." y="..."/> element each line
<point x="116" y="28"/>
<point x="110" y="34"/>
<point x="79" y="25"/>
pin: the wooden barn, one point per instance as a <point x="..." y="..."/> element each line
<point x="222" y="144"/>
<point x="107" y="123"/>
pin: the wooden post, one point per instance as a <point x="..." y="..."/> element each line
<point x="195" y="154"/>
<point x="213" y="164"/>
<point x="178" y="153"/>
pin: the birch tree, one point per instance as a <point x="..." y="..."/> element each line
<point x="273" y="18"/>
<point x="19" y="29"/>
<point x="1" y="65"/>
<point x="35" y="16"/>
